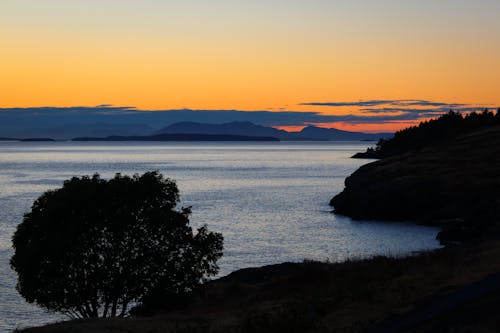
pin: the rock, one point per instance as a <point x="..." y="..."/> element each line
<point x="369" y="153"/>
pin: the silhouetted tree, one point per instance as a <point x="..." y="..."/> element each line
<point x="94" y="246"/>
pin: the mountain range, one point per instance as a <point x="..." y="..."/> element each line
<point x="101" y="130"/>
<point x="312" y="133"/>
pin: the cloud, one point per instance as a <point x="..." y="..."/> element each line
<point x="379" y="102"/>
<point x="405" y="110"/>
<point x="397" y="110"/>
<point x="426" y="103"/>
<point x="426" y="111"/>
<point x="341" y="104"/>
<point x="54" y="116"/>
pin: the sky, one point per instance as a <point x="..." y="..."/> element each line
<point x="324" y="56"/>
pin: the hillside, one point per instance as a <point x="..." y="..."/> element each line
<point x="455" y="287"/>
<point x="432" y="132"/>
<point x="453" y="183"/>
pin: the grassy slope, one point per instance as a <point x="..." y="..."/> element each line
<point x="315" y="297"/>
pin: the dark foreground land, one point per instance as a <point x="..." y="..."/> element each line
<point x="455" y="289"/>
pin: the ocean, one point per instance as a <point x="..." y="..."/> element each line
<point x="268" y="199"/>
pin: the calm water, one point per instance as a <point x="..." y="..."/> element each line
<point x="270" y="201"/>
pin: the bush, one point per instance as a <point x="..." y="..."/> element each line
<point x="94" y="246"/>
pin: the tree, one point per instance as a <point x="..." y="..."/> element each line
<point x="94" y="246"/>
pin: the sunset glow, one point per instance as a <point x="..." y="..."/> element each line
<point x="242" y="55"/>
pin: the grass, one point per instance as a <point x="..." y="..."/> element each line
<point x="312" y="296"/>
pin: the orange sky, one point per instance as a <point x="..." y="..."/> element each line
<point x="260" y="55"/>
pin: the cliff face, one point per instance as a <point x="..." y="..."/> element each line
<point x="457" y="180"/>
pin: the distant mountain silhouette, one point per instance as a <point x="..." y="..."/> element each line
<point x="70" y="122"/>
<point x="93" y="129"/>
<point x="251" y="129"/>
<point x="64" y="123"/>
<point x="69" y="130"/>
<point x="232" y="128"/>
<point x="180" y="137"/>
<point x="27" y="139"/>
<point x="339" y="135"/>
<point x="36" y="139"/>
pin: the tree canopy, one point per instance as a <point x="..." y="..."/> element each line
<point x="94" y="246"/>
<point x="431" y="132"/>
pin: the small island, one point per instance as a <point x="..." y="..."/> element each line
<point x="179" y="137"/>
<point x="28" y="139"/>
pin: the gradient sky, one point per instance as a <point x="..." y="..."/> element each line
<point x="248" y="54"/>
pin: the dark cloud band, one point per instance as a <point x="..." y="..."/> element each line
<point x="26" y="120"/>
<point x="380" y="102"/>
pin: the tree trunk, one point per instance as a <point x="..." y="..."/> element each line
<point x="83" y="312"/>
<point x="124" y="309"/>
<point x="95" y="308"/>
<point x="88" y="309"/>
<point x="113" y="308"/>
<point x="105" y="310"/>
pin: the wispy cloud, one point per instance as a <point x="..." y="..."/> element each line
<point x="380" y="102"/>
<point x="55" y="116"/>
<point x="341" y="104"/>
<point x="426" y="103"/>
<point x="396" y="110"/>
<point x="421" y="111"/>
